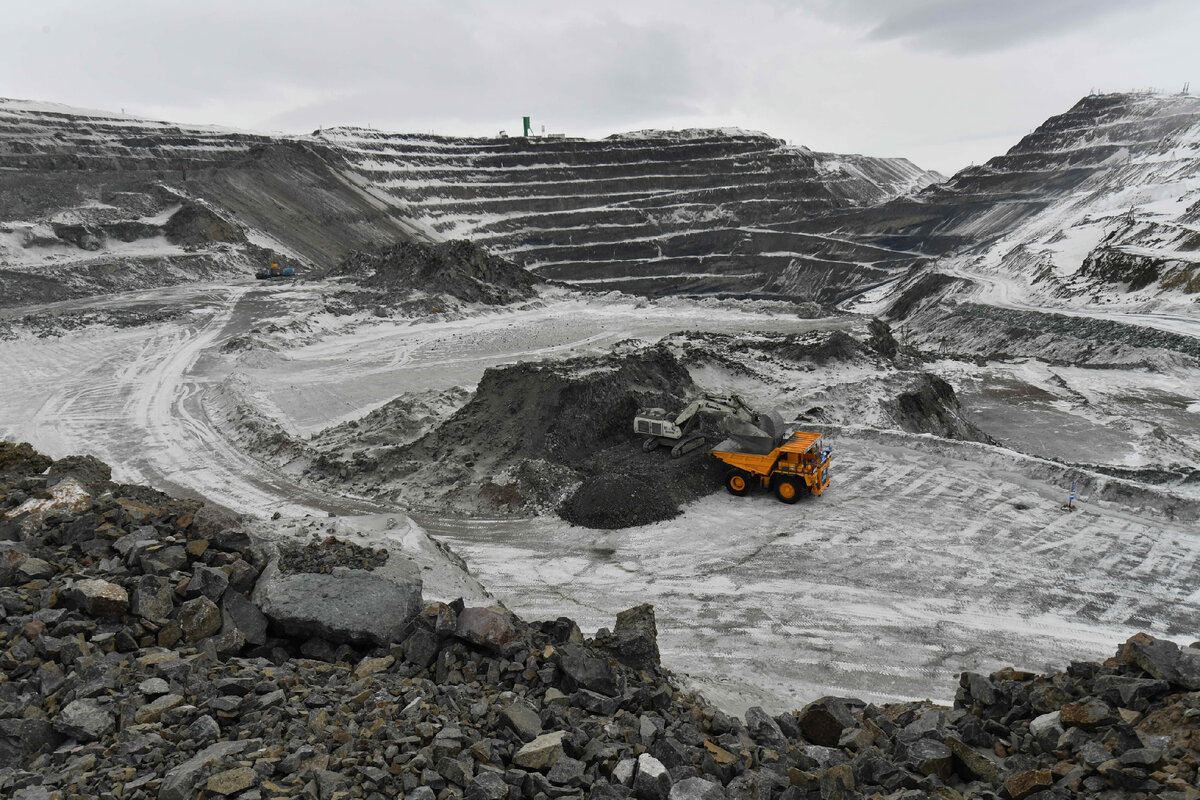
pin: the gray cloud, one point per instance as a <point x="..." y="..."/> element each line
<point x="945" y="81"/>
<point x="971" y="26"/>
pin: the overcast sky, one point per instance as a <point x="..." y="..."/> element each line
<point x="944" y="82"/>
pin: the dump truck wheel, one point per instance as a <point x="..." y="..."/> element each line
<point x="787" y="490"/>
<point x="737" y="482"/>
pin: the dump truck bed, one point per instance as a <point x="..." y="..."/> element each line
<point x="761" y="464"/>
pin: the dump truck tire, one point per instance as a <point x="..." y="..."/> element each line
<point x="787" y="490"/>
<point x="737" y="482"/>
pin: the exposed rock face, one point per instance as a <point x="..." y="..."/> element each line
<point x="696" y="203"/>
<point x="931" y="406"/>
<point x="634" y="212"/>
<point x="351" y="606"/>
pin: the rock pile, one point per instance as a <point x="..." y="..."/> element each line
<point x="455" y="271"/>
<point x="138" y="664"/>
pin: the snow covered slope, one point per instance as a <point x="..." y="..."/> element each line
<point x="655" y="211"/>
<point x="1098" y="207"/>
<point x="93" y="202"/>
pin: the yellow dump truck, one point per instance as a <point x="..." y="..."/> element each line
<point x="801" y="462"/>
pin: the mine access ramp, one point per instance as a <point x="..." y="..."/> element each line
<point x="801" y="462"/>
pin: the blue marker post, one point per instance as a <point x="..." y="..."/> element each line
<point x="1070" y="506"/>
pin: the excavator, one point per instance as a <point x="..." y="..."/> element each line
<point x="677" y="432"/>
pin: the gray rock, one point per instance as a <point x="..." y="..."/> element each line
<point x="228" y="642"/>
<point x="85" y="720"/>
<point x="624" y="771"/>
<point x="458" y="771"/>
<point x="352" y="606"/>
<point x="237" y="611"/>
<point x="35" y="569"/>
<point x="566" y="771"/>
<point x="824" y="720"/>
<point x="1165" y="660"/>
<point x="634" y="640"/>
<point x="542" y="753"/>
<point x="181" y="781"/>
<point x="99" y="598"/>
<point x="199" y="618"/>
<point x="163" y="560"/>
<point x="585" y="670"/>
<point x="652" y="781"/>
<point x="152" y="712"/>
<point x="1145" y="757"/>
<point x="697" y="789"/>
<point x="486" y="785"/>
<point x="595" y="702"/>
<point x="153" y="687"/>
<point x="523" y="720"/>
<point x="929" y="757"/>
<point x="764" y="729"/>
<point x="153" y="599"/>
<point x="209" y="582"/>
<point x="421" y="647"/>
<point x="204" y="729"/>
<point x="490" y="628"/>
<point x="220" y="528"/>
<point x="1047" y="728"/>
<point x="981" y="688"/>
<point x="131" y="546"/>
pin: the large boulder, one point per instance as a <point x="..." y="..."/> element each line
<point x="357" y="607"/>
<point x="238" y="612"/>
<point x="199" y="618"/>
<point x="1163" y="659"/>
<point x="85" y="720"/>
<point x="824" y="720"/>
<point x="219" y="528"/>
<point x="68" y="497"/>
<point x="634" y="639"/>
<point x="490" y="628"/>
<point x="542" y="753"/>
<point x="652" y="781"/>
<point x="585" y="670"/>
<point x="153" y="599"/>
<point x="98" y="598"/>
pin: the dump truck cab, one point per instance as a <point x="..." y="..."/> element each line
<point x="800" y="463"/>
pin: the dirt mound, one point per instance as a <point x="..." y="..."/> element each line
<point x="564" y="412"/>
<point x="629" y="487"/>
<point x="538" y="433"/>
<point x="457" y="269"/>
